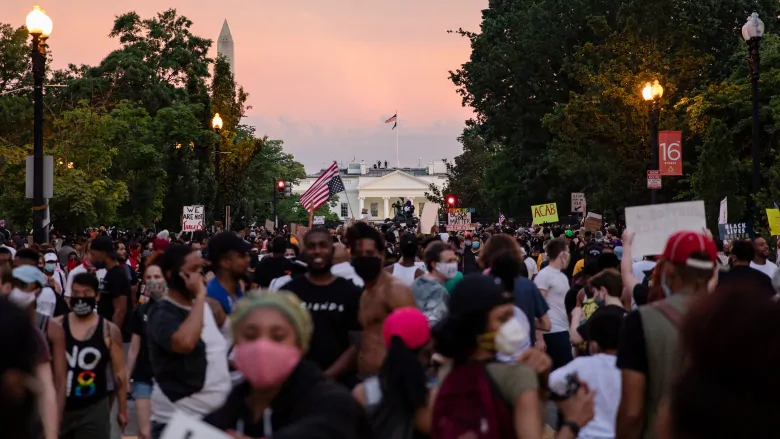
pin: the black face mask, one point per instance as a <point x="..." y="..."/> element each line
<point x="367" y="267"/>
<point x="83" y="306"/>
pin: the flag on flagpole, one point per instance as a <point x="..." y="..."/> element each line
<point x="392" y="119"/>
<point x="501" y="218"/>
<point x="319" y="193"/>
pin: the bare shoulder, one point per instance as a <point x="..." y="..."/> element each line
<point x="57" y="319"/>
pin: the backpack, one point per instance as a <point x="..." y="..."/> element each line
<point x="468" y="405"/>
<point x="387" y="422"/>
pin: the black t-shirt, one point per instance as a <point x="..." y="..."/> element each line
<point x="178" y="375"/>
<point x="272" y="267"/>
<point x="115" y="284"/>
<point x="746" y="275"/>
<point x="143" y="368"/>
<point x="632" y="350"/>
<point x="334" y="312"/>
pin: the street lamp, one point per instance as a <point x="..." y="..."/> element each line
<point x="216" y="123"/>
<point x="39" y="25"/>
<point x="652" y="93"/>
<point x="752" y="32"/>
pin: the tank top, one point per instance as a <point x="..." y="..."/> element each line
<point x="86" y="380"/>
<point x="405" y="274"/>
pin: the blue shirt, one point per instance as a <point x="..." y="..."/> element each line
<point x="216" y="291"/>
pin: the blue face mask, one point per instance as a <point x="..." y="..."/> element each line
<point x="664" y="286"/>
<point x="474" y="245"/>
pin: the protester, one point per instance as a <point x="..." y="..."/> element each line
<point x="284" y="396"/>
<point x="554" y="285"/>
<point x="429" y="291"/>
<point x="761" y="260"/>
<point x="187" y="352"/>
<point x="94" y="346"/>
<point x="740" y="269"/>
<point x="383" y="294"/>
<point x="397" y="399"/>
<point x="407" y="269"/>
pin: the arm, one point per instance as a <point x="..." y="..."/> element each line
<point x="59" y="366"/>
<point x="631" y="412"/>
<point x="187" y="336"/>
<point x="120" y="309"/>
<point x="118" y="366"/>
<point x="217" y="310"/>
<point x="399" y="296"/>
<point x="626" y="262"/>
<point x="132" y="354"/>
<point x="418" y="273"/>
<point x="574" y="335"/>
<point x="528" y="416"/>
<point x="544" y="323"/>
<point x="346" y="362"/>
<point x="47" y="401"/>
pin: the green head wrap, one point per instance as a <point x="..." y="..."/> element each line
<point x="283" y="301"/>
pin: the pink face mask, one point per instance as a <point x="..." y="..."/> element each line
<point x="264" y="363"/>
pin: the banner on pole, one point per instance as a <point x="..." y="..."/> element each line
<point x="670" y="152"/>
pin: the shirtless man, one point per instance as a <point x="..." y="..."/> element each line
<point x="382" y="295"/>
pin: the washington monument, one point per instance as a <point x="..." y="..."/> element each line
<point x="225" y="46"/>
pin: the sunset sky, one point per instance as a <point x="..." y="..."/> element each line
<point x="321" y="75"/>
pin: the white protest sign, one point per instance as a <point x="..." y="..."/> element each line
<point x="723" y="213"/>
<point x="428" y="216"/>
<point x="182" y="426"/>
<point x="577" y="201"/>
<point x="319" y="220"/>
<point x="193" y="218"/>
<point x="652" y="225"/>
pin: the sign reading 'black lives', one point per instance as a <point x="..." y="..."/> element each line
<point x="733" y="231"/>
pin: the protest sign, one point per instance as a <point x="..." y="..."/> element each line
<point x="429" y="216"/>
<point x="734" y="231"/>
<point x="653" y="224"/>
<point x="182" y="426"/>
<point x="723" y="213"/>
<point x="593" y="222"/>
<point x="545" y="213"/>
<point x="193" y="218"/>
<point x="269" y="225"/>
<point x="319" y="220"/>
<point x="459" y="221"/>
<point x="773" y="217"/>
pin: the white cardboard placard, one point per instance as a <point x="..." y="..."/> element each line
<point x="652" y="225"/>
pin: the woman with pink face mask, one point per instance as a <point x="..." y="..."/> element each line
<point x="282" y="396"/>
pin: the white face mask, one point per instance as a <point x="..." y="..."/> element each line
<point x="20" y="298"/>
<point x="510" y="337"/>
<point x="447" y="269"/>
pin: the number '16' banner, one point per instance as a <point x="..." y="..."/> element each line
<point x="670" y="152"/>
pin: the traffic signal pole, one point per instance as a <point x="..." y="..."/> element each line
<point x="276" y="218"/>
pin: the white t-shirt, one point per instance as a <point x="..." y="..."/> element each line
<point x="46" y="302"/>
<point x="557" y="285"/>
<point x="530" y="264"/>
<point x="768" y="269"/>
<point x="602" y="375"/>
<point x="639" y="268"/>
<point x="81" y="269"/>
<point x="11" y="249"/>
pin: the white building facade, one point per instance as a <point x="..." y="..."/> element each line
<point x="372" y="189"/>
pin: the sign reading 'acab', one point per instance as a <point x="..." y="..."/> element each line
<point x="545" y="213"/>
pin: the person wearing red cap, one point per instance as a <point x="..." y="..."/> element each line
<point x="396" y="400"/>
<point x="648" y="354"/>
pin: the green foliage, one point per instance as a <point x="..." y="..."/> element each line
<point x="132" y="137"/>
<point x="556" y="90"/>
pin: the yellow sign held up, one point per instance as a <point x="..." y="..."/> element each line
<point x="773" y="218"/>
<point x="545" y="213"/>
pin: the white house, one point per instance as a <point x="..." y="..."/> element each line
<point x="375" y="188"/>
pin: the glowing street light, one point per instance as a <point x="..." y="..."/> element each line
<point x="216" y="122"/>
<point x="38" y="23"/>
<point x="652" y="91"/>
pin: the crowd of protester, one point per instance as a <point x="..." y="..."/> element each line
<point x="367" y="331"/>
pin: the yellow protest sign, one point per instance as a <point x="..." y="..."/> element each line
<point x="545" y="213"/>
<point x="773" y="218"/>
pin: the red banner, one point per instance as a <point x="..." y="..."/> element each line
<point x="670" y="152"/>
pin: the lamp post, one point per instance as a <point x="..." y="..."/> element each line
<point x="216" y="123"/>
<point x="752" y="32"/>
<point x="39" y="25"/>
<point x="652" y="93"/>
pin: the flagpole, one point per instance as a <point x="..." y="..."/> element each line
<point x="397" y="159"/>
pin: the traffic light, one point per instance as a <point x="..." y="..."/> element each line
<point x="451" y="201"/>
<point x="287" y="189"/>
<point x="280" y="187"/>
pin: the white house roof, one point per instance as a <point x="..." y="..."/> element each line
<point x="396" y="180"/>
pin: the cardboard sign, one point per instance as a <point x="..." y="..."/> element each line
<point x="773" y="218"/>
<point x="723" y="213"/>
<point x="670" y="152"/>
<point x="429" y="216"/>
<point x="461" y="227"/>
<point x="652" y="225"/>
<point x="459" y="220"/>
<point x="193" y="218"/>
<point x="653" y="179"/>
<point x="269" y="225"/>
<point x="545" y="213"/>
<point x="593" y="222"/>
<point x="734" y="231"/>
<point x="182" y="426"/>
<point x="577" y="202"/>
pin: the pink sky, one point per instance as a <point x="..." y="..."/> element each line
<point x="321" y="75"/>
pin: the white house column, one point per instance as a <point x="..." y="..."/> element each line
<point x="387" y="206"/>
<point x="361" y="206"/>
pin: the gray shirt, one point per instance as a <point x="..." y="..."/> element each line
<point x="431" y="298"/>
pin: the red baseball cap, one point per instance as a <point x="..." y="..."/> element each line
<point x="683" y="244"/>
<point x="408" y="323"/>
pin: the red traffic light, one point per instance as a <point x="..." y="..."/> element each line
<point x="280" y="184"/>
<point x="451" y="200"/>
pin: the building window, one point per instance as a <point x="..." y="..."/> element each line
<point x="375" y="209"/>
<point x="344" y="210"/>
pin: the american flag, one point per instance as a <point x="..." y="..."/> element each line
<point x="501" y="218"/>
<point x="319" y="192"/>
<point x="392" y="119"/>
